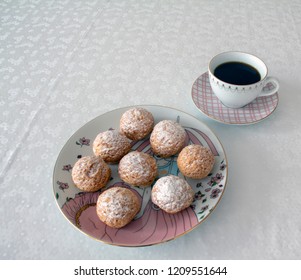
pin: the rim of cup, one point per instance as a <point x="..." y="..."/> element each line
<point x="238" y="56"/>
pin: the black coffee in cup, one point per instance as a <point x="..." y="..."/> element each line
<point x="237" y="73"/>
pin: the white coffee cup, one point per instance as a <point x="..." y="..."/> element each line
<point x="237" y="95"/>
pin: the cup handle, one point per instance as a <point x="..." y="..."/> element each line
<point x="268" y="92"/>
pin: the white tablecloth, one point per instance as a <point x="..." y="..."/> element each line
<point x="63" y="63"/>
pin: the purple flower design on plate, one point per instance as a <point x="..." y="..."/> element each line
<point x="198" y="195"/>
<point x="67" y="167"/>
<point x="62" y="186"/>
<point x="203" y="209"/>
<point x="216" y="179"/>
<point x="215" y="193"/>
<point x="83" y="141"/>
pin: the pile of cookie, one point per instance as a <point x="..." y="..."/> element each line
<point x="117" y="206"/>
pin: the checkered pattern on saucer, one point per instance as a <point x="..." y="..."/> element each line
<point x="209" y="104"/>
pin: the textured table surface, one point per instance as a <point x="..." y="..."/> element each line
<point x="63" y="63"/>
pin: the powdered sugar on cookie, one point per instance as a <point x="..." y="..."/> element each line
<point x="167" y="138"/>
<point x="111" y="146"/>
<point x="138" y="169"/>
<point x="136" y="123"/>
<point x="172" y="194"/>
<point x="117" y="206"/>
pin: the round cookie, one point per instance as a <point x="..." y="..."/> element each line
<point x="111" y="146"/>
<point x="167" y="138"/>
<point x="195" y="161"/>
<point x="172" y="194"/>
<point x="117" y="206"/>
<point x="90" y="173"/>
<point x="136" y="123"/>
<point x="138" y="169"/>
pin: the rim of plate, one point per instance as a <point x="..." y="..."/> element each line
<point x="155" y="243"/>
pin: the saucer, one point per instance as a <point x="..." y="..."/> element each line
<point x="206" y="101"/>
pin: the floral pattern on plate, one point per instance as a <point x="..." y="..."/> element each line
<point x="151" y="225"/>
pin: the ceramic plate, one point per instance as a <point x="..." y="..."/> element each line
<point x="209" y="104"/>
<point x="151" y="225"/>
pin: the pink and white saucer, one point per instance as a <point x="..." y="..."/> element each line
<point x="206" y="101"/>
